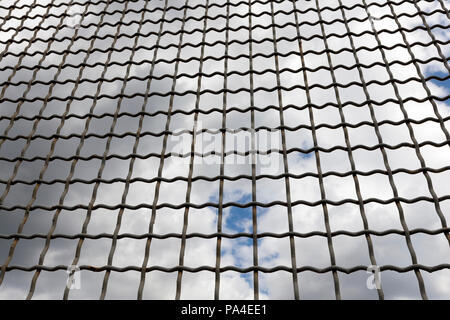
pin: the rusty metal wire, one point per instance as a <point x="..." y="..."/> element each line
<point x="53" y="45"/>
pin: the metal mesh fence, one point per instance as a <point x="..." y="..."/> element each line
<point x="96" y="93"/>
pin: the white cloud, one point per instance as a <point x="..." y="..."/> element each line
<point x="310" y="251"/>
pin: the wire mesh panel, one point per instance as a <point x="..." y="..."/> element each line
<point x="243" y="149"/>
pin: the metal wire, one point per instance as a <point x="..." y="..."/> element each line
<point x="160" y="17"/>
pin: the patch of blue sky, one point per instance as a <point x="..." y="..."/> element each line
<point x="306" y="145"/>
<point x="444" y="83"/>
<point x="237" y="220"/>
<point x="306" y="156"/>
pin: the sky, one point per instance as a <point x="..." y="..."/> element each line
<point x="38" y="76"/>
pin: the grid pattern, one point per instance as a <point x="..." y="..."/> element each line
<point x="127" y="68"/>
